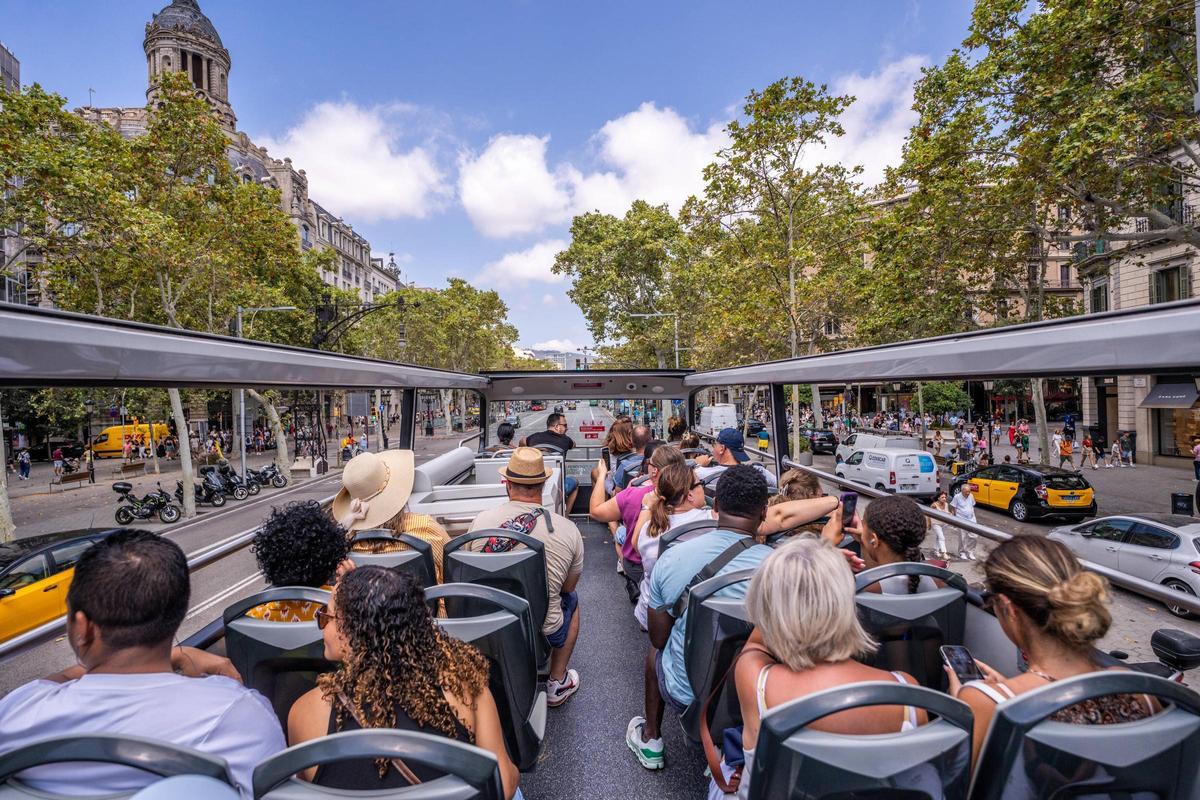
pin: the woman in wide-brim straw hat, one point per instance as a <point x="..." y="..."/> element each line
<point x="374" y="494"/>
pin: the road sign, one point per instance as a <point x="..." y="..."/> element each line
<point x="586" y="428"/>
<point x="591" y="436"/>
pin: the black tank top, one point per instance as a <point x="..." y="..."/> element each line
<point x="363" y="774"/>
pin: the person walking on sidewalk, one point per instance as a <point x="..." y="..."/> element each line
<point x="1088" y="454"/>
<point x="1114" y="455"/>
<point x="963" y="506"/>
<point x="1196" y="455"/>
<point x="90" y="459"/>
<point x="1126" y="448"/>
<point x="24" y="462"/>
<point x="1065" y="448"/>
<point x="939" y="535"/>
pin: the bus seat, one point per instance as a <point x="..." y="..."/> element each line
<point x="910" y="628"/>
<point x="415" y="558"/>
<point x="188" y="787"/>
<point x="1028" y="755"/>
<point x="281" y="660"/>
<point x="684" y="532"/>
<point x="443" y="470"/>
<point x="793" y="762"/>
<point x="717" y="627"/>
<point x="157" y="758"/>
<point x="521" y="571"/>
<point x="497" y="623"/>
<point x="469" y="772"/>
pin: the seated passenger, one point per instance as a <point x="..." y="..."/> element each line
<point x="298" y="545"/>
<point x="796" y="484"/>
<point x="374" y="494"/>
<point x="690" y="441"/>
<point x="397" y="670"/>
<point x="525" y="477"/>
<point x="128" y="596"/>
<point x="555" y="435"/>
<point x="676" y="428"/>
<point x="504" y="434"/>
<point x="805" y="639"/>
<point x="624" y="506"/>
<point x="632" y="462"/>
<point x="893" y="530"/>
<point x="1054" y="611"/>
<point x="729" y="450"/>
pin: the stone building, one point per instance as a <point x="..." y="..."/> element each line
<point x="180" y="38"/>
<point x="17" y="264"/>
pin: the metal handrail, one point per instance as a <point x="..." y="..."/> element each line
<point x="201" y="558"/>
<point x="1122" y="579"/>
<point x="476" y="435"/>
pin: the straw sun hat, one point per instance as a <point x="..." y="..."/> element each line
<point x="526" y="466"/>
<point x="375" y="488"/>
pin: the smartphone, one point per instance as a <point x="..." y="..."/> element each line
<point x="606" y="457"/>
<point x="959" y="659"/>
<point x="849" y="506"/>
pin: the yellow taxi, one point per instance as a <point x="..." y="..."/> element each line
<point x="1030" y="492"/>
<point x="35" y="574"/>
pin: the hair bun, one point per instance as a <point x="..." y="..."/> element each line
<point x="1078" y="608"/>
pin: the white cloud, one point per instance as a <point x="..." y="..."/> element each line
<point x="651" y="153"/>
<point x="356" y="165"/>
<point x="525" y="266"/>
<point x="878" y="121"/>
<point x="549" y="300"/>
<point x="556" y="344"/>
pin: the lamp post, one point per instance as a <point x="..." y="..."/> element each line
<point x="88" y="405"/>
<point x="428" y="415"/>
<point x="242" y="392"/>
<point x="987" y="388"/>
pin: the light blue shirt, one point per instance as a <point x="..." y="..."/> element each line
<point x="215" y="715"/>
<point x="672" y="573"/>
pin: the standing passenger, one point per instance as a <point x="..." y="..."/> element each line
<point x="963" y="506"/>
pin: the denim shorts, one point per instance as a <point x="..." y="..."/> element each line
<point x="570" y="602"/>
<point x="671" y="702"/>
<point x="569" y="485"/>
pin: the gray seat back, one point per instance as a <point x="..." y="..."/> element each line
<point x="416" y="557"/>
<point x="717" y="627"/>
<point x="469" y="772"/>
<point x="794" y="762"/>
<point x="445" y="469"/>
<point x="499" y="628"/>
<point x="1026" y="752"/>
<point x="520" y="571"/>
<point x="188" y="787"/>
<point x="280" y="660"/>
<point x="148" y="755"/>
<point x="910" y="628"/>
<point x="684" y="532"/>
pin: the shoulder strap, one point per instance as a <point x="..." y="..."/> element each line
<point x="991" y="692"/>
<point x="401" y="767"/>
<point x="710" y="569"/>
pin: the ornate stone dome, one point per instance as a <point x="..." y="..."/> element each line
<point x="185" y="15"/>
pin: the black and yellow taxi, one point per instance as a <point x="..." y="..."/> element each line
<point x="1030" y="492"/>
<point x="35" y="573"/>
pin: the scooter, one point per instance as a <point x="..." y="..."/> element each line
<point x="1177" y="652"/>
<point x="222" y="483"/>
<point x="155" y="502"/>
<point x="267" y="476"/>
<point x="205" y="493"/>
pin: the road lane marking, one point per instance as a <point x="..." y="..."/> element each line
<point x="219" y="596"/>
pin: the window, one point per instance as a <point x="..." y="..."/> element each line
<point x="304" y="234"/>
<point x="1099" y="296"/>
<point x="1009" y="474"/>
<point x="833" y="327"/>
<point x="855" y="458"/>
<point x="1172" y="283"/>
<point x="31" y="570"/>
<point x="66" y="555"/>
<point x="1109" y="530"/>
<point x="1064" y="274"/>
<point x="1145" y="535"/>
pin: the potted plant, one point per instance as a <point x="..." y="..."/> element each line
<point x="803" y="455"/>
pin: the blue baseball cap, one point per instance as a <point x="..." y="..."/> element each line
<point x="732" y="438"/>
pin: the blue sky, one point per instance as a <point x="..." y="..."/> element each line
<point x="464" y="136"/>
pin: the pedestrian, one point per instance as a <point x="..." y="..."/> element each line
<point x="1089" y="452"/>
<point x="1196" y="455"/>
<point x="127" y="448"/>
<point x="24" y="462"/>
<point x="1126" y="443"/>
<point x="963" y="506"/>
<point x="937" y="443"/>
<point x="57" y="457"/>
<point x="1065" y="450"/>
<point x="1012" y="435"/>
<point x="90" y="458"/>
<point x="939" y="535"/>
<point x="169" y="444"/>
<point x="1023" y="453"/>
<point x="1056" y="440"/>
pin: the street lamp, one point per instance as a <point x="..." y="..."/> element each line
<point x="428" y="415"/>
<point x="987" y="389"/>
<point x="88" y="405"/>
<point x="242" y="392"/>
<point x="675" y="317"/>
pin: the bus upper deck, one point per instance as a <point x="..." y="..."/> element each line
<point x="573" y="748"/>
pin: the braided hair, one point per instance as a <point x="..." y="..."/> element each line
<point x="899" y="524"/>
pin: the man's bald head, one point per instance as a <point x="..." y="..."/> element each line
<point x="641" y="437"/>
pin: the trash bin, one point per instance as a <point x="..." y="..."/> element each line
<point x="1181" y="503"/>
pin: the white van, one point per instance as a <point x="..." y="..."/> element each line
<point x="909" y="472"/>
<point x="716" y="418"/>
<point x="874" y="441"/>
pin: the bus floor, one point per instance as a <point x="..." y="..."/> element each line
<point x="584" y="755"/>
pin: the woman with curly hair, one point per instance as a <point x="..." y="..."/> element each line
<point x="398" y="670"/>
<point x="298" y="545"/>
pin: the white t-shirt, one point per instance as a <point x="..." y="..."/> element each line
<point x="215" y="715"/>
<point x="647" y="547"/>
<point x="964" y="506"/>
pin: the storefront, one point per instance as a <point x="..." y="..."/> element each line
<point x="1175" y="413"/>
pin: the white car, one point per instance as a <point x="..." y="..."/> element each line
<point x="1161" y="548"/>
<point x="908" y="472"/>
<point x="874" y="441"/>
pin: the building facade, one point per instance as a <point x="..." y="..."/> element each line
<point x="16" y="262"/>
<point x="180" y="38"/>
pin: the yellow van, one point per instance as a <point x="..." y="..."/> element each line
<point x="111" y="440"/>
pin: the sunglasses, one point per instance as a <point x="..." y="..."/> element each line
<point x="697" y="485"/>
<point x="324" y="617"/>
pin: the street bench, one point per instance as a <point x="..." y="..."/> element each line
<point x="77" y="478"/>
<point x="132" y="468"/>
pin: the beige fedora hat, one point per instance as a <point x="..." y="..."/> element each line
<point x="526" y="465"/>
<point x="380" y="482"/>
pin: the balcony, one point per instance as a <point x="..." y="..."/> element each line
<point x="1082" y="251"/>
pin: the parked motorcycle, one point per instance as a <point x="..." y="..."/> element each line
<point x="156" y="502"/>
<point x="218" y="480"/>
<point x="231" y="475"/>
<point x="205" y="493"/>
<point x="267" y="476"/>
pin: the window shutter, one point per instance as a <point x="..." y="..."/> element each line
<point x="1153" y="288"/>
<point x="1185" y="281"/>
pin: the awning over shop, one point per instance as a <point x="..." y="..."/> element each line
<point x="1171" y="395"/>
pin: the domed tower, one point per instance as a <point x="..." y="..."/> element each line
<point x="181" y="39"/>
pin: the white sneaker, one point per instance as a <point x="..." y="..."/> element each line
<point x="649" y="752"/>
<point x="558" y="693"/>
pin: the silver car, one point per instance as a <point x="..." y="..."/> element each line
<point x="1162" y="548"/>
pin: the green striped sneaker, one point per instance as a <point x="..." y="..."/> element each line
<point x="649" y="754"/>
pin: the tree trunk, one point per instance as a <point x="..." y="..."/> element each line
<point x="7" y="526"/>
<point x="1037" y="395"/>
<point x="818" y="415"/>
<point x="446" y="397"/>
<point x="154" y="449"/>
<point x="282" y="462"/>
<point x="185" y="454"/>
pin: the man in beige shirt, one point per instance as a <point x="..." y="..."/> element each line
<point x="525" y="476"/>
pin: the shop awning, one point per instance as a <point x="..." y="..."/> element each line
<point x="1171" y="395"/>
